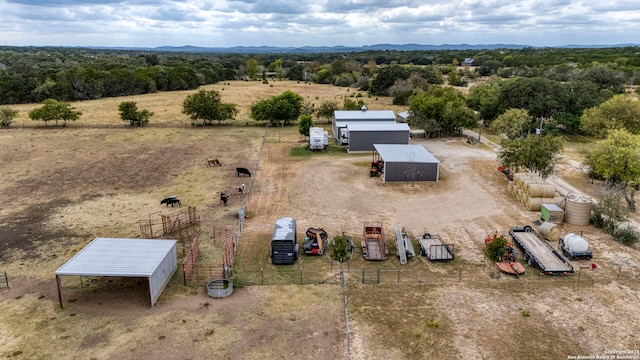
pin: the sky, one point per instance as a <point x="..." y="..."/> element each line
<point x="294" y="23"/>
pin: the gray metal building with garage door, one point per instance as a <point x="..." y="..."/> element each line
<point x="406" y="163"/>
<point x="362" y="137"/>
<point x="343" y="117"/>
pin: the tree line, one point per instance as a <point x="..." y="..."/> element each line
<point x="33" y="74"/>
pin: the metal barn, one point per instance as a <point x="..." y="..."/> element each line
<point x="343" y="117"/>
<point x="362" y="137"/>
<point x="153" y="259"/>
<point x="406" y="163"/>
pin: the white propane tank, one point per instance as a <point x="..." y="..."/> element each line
<point x="575" y="243"/>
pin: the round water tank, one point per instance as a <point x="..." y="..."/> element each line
<point x="578" y="209"/>
<point x="550" y="231"/>
<point x="575" y="243"/>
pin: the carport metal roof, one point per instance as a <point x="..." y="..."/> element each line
<point x="117" y="257"/>
<point x="404" y="153"/>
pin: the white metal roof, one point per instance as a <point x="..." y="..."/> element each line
<point x="118" y="257"/>
<point x="404" y="153"/>
<point x="378" y="127"/>
<point x="368" y="115"/>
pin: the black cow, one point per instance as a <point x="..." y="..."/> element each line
<point x="171" y="200"/>
<point x="241" y="189"/>
<point x="223" y="198"/>
<point x="243" y="172"/>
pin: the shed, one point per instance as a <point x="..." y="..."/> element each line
<point x="362" y="137"/>
<point x="403" y="116"/>
<point x="406" y="163"/>
<point x="153" y="259"/>
<point x="343" y="117"/>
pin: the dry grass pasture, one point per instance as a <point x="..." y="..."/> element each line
<point x="65" y="186"/>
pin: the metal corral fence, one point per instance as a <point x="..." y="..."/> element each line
<point x="199" y="273"/>
<point x="431" y="273"/>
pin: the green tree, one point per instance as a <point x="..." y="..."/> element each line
<point x="535" y="153"/>
<point x="350" y="104"/>
<point x="441" y="111"/>
<point x="621" y="112"/>
<point x="54" y="110"/>
<point x="340" y="248"/>
<point x="616" y="159"/>
<point x="208" y="107"/>
<point x="542" y="98"/>
<point x="280" y="110"/>
<point x="496" y="248"/>
<point x="306" y="122"/>
<point x="252" y="68"/>
<point x="6" y="116"/>
<point x="454" y="78"/>
<point x="485" y="99"/>
<point x="513" y="123"/>
<point x="129" y="112"/>
<point x="326" y="110"/>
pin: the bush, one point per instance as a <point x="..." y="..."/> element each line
<point x="497" y="248"/>
<point x="626" y="234"/>
<point x="340" y="248"/>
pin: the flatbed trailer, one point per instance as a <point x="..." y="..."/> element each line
<point x="434" y="249"/>
<point x="538" y="253"/>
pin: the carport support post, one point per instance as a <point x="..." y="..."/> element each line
<point x="59" y="293"/>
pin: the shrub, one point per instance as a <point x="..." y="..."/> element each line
<point x="626" y="234"/>
<point x="340" y="248"/>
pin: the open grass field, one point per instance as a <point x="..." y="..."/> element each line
<point x="65" y="186"/>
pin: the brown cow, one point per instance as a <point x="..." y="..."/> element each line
<point x="214" y="162"/>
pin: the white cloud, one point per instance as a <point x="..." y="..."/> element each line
<point x="315" y="22"/>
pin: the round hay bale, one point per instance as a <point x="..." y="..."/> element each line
<point x="550" y="231"/>
<point x="534" y="203"/>
<point x="541" y="190"/>
<point x="518" y="177"/>
<point x="511" y="187"/>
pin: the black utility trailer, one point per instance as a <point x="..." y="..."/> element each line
<point x="538" y="253"/>
<point x="434" y="249"/>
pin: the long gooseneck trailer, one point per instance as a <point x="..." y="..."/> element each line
<point x="538" y="253"/>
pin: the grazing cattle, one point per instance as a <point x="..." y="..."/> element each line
<point x="223" y="198"/>
<point x="171" y="200"/>
<point x="241" y="189"/>
<point x="214" y="162"/>
<point x="243" y="172"/>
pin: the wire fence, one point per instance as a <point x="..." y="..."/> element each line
<point x="427" y="273"/>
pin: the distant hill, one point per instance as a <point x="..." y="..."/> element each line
<point x="342" y="49"/>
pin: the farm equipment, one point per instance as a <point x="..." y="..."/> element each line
<point x="373" y="244"/>
<point x="376" y="168"/>
<point x="506" y="171"/>
<point x="508" y="264"/>
<point x="538" y="253"/>
<point x="434" y="249"/>
<point x="574" y="247"/>
<point x="315" y="242"/>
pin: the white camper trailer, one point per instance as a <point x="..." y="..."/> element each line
<point x="318" y="138"/>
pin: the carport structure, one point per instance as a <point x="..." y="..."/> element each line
<point x="406" y="163"/>
<point x="153" y="259"/>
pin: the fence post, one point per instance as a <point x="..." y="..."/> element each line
<point x="363" y="275"/>
<point x="460" y="275"/>
<point x="398" y="276"/>
<point x="579" y="273"/>
<point x="261" y="276"/>
<point x="619" y="269"/>
<point x="6" y="279"/>
<point x="300" y="275"/>
<point x="484" y="263"/>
